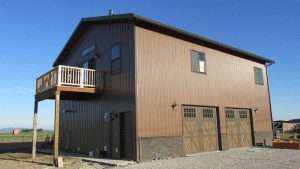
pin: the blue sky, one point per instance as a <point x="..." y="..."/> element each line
<point x="33" y="32"/>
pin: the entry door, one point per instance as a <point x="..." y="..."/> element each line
<point x="115" y="135"/>
<point x="121" y="136"/>
<point x="125" y="136"/>
<point x="200" y="129"/>
<point x="238" y="128"/>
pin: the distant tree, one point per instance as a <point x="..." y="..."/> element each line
<point x="40" y="130"/>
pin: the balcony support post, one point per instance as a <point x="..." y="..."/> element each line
<point x="56" y="128"/>
<point x="34" y="136"/>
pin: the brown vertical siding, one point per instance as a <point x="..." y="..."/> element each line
<point x="164" y="77"/>
<point x="156" y="73"/>
<point x="86" y="119"/>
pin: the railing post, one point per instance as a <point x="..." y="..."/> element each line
<point x="81" y="77"/>
<point x="59" y="76"/>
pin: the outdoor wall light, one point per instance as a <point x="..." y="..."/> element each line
<point x="174" y="105"/>
<point x="106" y="117"/>
<point x="255" y="110"/>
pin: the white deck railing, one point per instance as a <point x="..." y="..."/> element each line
<point x="68" y="76"/>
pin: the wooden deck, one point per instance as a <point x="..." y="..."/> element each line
<point x="72" y="82"/>
<point x="64" y="82"/>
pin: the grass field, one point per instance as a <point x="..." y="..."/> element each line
<point x="24" y="136"/>
<point x="287" y="136"/>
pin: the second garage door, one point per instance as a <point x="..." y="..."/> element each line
<point x="238" y="128"/>
<point x="200" y="129"/>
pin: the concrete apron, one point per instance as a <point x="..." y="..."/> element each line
<point x="110" y="162"/>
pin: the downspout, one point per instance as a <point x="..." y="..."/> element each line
<point x="267" y="65"/>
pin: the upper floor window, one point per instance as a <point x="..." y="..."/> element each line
<point x="89" y="64"/>
<point x="116" y="58"/>
<point x="198" y="62"/>
<point x="87" y="51"/>
<point x="258" y="75"/>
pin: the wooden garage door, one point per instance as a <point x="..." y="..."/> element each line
<point x="200" y="130"/>
<point x="238" y="128"/>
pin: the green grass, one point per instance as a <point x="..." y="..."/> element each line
<point x="24" y="137"/>
<point x="287" y="136"/>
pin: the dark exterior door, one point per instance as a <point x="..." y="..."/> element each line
<point x="115" y="135"/>
<point x="125" y="136"/>
<point x="121" y="144"/>
<point x="200" y="129"/>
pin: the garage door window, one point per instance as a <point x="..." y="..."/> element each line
<point x="229" y="114"/>
<point x="189" y="113"/>
<point x="243" y="115"/>
<point x="208" y="113"/>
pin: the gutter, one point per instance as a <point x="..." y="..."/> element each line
<point x="270" y="104"/>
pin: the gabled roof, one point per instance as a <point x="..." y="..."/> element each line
<point x="160" y="27"/>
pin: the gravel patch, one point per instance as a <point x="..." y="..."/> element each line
<point x="246" y="158"/>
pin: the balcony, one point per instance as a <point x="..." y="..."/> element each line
<point x="70" y="81"/>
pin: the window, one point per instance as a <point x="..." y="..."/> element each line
<point x="258" y="74"/>
<point x="189" y="113"/>
<point x="208" y="113"/>
<point x="243" y="114"/>
<point x="90" y="64"/>
<point x="229" y="114"/>
<point x="85" y="65"/>
<point x="86" y="52"/>
<point x="198" y="62"/>
<point x="116" y="58"/>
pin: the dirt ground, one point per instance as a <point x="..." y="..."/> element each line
<point x="244" y="158"/>
<point x="24" y="161"/>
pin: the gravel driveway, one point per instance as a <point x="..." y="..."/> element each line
<point x="246" y="158"/>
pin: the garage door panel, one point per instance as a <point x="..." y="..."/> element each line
<point x="200" y="131"/>
<point x="238" y="128"/>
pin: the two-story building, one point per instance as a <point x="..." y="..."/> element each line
<point x="129" y="87"/>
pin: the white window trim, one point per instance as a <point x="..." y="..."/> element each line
<point x="88" y="50"/>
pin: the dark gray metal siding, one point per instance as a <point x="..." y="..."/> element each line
<point x="83" y="121"/>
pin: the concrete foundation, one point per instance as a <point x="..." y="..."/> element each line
<point x="264" y="137"/>
<point x="160" y="148"/>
